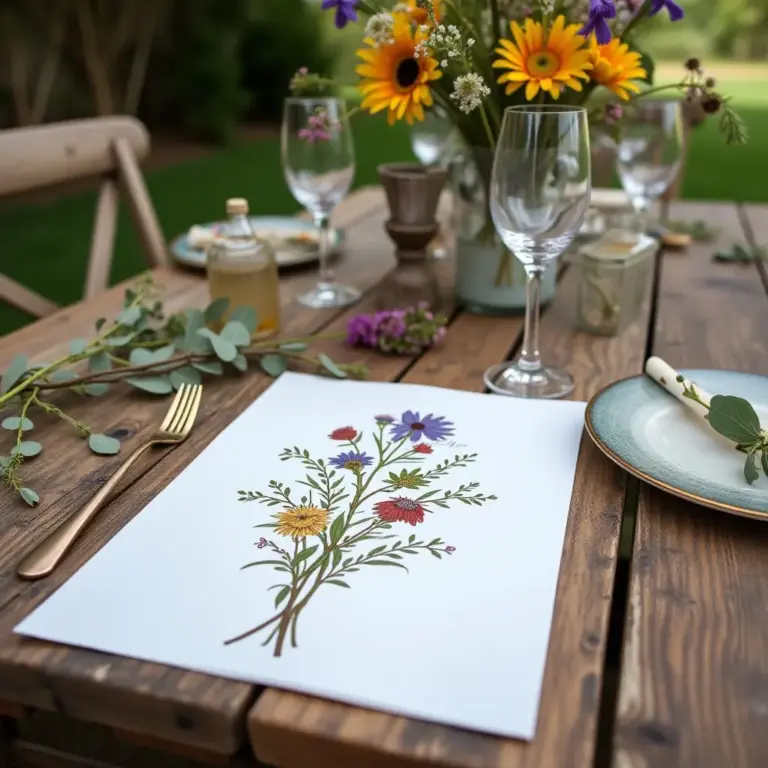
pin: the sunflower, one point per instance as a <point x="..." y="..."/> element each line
<point x="616" y="67"/>
<point x="550" y="60"/>
<point x="302" y="521"/>
<point x="420" y="14"/>
<point x="396" y="75"/>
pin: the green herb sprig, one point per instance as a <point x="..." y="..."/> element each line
<point x="736" y="420"/>
<point x="147" y="350"/>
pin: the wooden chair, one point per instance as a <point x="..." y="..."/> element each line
<point x="109" y="147"/>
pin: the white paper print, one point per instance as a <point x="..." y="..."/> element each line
<point x="387" y="545"/>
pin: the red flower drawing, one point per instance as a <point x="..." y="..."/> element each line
<point x="343" y="433"/>
<point x="400" y="509"/>
<point x="422" y="448"/>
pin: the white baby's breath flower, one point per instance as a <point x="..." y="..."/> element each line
<point x="379" y="28"/>
<point x="469" y="91"/>
<point x="444" y="63"/>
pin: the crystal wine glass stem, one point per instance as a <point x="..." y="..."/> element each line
<point x="642" y="206"/>
<point x="322" y="222"/>
<point x="529" y="359"/>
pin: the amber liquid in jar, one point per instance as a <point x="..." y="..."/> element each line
<point x="243" y="269"/>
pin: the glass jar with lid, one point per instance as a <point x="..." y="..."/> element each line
<point x="242" y="268"/>
<point x="614" y="279"/>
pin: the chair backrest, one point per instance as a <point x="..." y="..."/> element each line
<point x="105" y="147"/>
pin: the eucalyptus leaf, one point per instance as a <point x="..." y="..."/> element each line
<point x="157" y="385"/>
<point x="281" y="595"/>
<point x="185" y="375"/>
<point x="140" y="356"/>
<point x="61" y="376"/>
<point x="129" y="316"/>
<point x="13" y="373"/>
<point x="294" y="346"/>
<point x="240" y="362"/>
<point x="734" y="418"/>
<point x="245" y="315"/>
<point x="237" y="333"/>
<point x="223" y="349"/>
<point x="273" y="364"/>
<point x="104" y="445"/>
<point x="213" y="367"/>
<point x="27" y="448"/>
<point x="216" y="309"/>
<point x="29" y="496"/>
<point x="96" y="389"/>
<point x="100" y="363"/>
<point x="78" y="346"/>
<point x="330" y="366"/>
<point x="14" y="422"/>
<point x="750" y="469"/>
<point x="119" y="341"/>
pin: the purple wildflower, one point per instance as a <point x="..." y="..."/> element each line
<point x="345" y="11"/>
<point x="351" y="460"/>
<point x="384" y="419"/>
<point x="404" y="331"/>
<point x="599" y="12"/>
<point x="319" y="128"/>
<point x="361" y="331"/>
<point x="675" y="11"/>
<point x="418" y="427"/>
<point x="390" y="324"/>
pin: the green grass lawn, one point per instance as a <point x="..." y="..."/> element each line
<point x="45" y="246"/>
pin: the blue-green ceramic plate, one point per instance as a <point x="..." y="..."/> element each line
<point x="295" y="241"/>
<point x="655" y="437"/>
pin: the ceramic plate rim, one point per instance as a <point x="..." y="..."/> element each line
<point x="621" y="461"/>
<point x="305" y="257"/>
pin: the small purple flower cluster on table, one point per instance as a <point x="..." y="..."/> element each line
<point x="402" y="331"/>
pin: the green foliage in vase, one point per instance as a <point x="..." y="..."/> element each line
<point x="145" y="349"/>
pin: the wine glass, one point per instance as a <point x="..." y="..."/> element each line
<point x="539" y="195"/>
<point x="649" y="153"/>
<point x="319" y="165"/>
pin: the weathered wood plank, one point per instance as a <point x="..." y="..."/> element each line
<point x="169" y="704"/>
<point x="296" y="731"/>
<point x="694" y="678"/>
<point x="754" y="220"/>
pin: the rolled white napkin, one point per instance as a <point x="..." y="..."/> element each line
<point x="665" y="375"/>
<point x="200" y="237"/>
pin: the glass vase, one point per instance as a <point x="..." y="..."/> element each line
<point x="489" y="280"/>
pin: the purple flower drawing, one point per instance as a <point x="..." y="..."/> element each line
<point x="351" y="460"/>
<point x="420" y="427"/>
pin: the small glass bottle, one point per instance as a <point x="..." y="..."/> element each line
<point x="242" y="268"/>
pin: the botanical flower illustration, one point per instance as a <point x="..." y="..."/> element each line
<point x="353" y="513"/>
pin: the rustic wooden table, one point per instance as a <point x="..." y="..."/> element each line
<point x="659" y="648"/>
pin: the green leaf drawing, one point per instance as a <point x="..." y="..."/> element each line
<point x="386" y="562"/>
<point x="262" y="562"/>
<point x="304" y="554"/>
<point x="29" y="496"/>
<point x="156" y="385"/>
<point x="337" y="528"/>
<point x="223" y="349"/>
<point x="734" y="418"/>
<point x="338" y="583"/>
<point x="27" y="448"/>
<point x="247" y="316"/>
<point x="750" y="469"/>
<point x="103" y="444"/>
<point x="13" y="373"/>
<point x="273" y="364"/>
<point x="14" y="422"/>
<point x="330" y="366"/>
<point x="216" y="309"/>
<point x="281" y="595"/>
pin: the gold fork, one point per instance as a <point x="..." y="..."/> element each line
<point x="174" y="429"/>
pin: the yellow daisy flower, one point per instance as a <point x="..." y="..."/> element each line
<point x="615" y="66"/>
<point x="302" y="521"/>
<point x="540" y="59"/>
<point x="396" y="75"/>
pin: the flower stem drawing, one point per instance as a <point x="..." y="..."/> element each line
<point x="351" y="511"/>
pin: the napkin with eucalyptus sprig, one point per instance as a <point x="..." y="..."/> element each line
<point x="145" y="349"/>
<point x="732" y="417"/>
